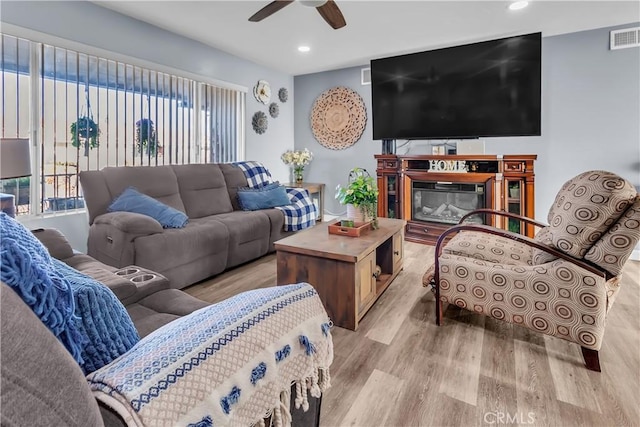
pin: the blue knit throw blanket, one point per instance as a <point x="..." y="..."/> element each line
<point x="101" y="318"/>
<point x="83" y="314"/>
<point x="27" y="267"/>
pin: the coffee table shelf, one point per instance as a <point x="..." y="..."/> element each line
<point x="343" y="269"/>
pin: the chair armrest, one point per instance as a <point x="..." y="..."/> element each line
<point x="518" y="238"/>
<point x="503" y="213"/>
<point x="129" y="222"/>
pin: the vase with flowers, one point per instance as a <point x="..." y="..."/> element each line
<point x="297" y="159"/>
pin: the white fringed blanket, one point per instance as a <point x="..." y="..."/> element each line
<point x="231" y="363"/>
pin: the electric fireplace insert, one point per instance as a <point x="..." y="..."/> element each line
<point x="445" y="202"/>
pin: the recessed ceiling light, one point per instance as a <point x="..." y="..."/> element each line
<point x="304" y="49"/>
<point x="517" y="5"/>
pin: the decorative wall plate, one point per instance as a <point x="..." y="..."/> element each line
<point x="338" y="118"/>
<point x="260" y="122"/>
<point x="274" y="110"/>
<point x="262" y="91"/>
<point x="283" y="94"/>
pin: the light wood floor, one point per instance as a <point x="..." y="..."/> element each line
<point x="400" y="369"/>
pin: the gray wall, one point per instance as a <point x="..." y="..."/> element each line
<point x="86" y="23"/>
<point x="590" y="118"/>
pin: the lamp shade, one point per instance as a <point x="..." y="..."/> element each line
<point x="15" y="158"/>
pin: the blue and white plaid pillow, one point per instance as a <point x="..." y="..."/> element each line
<point x="257" y="174"/>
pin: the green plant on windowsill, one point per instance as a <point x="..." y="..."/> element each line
<point x="361" y="192"/>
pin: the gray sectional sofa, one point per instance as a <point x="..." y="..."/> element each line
<point x="42" y="385"/>
<point x="218" y="235"/>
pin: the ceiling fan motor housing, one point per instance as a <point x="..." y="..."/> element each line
<point x="312" y="3"/>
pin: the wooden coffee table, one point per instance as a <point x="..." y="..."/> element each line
<point x="343" y="269"/>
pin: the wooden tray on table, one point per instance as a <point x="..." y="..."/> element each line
<point x="357" y="230"/>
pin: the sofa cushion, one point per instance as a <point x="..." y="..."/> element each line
<point x="248" y="235"/>
<point x="148" y="320"/>
<point x="131" y="200"/>
<point x="175" y="247"/>
<point x="265" y="197"/>
<point x="159" y="182"/>
<point x="41" y="383"/>
<point x="234" y="177"/>
<point x="173" y="301"/>
<point x="203" y="189"/>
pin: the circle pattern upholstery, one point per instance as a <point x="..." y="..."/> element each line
<point x="555" y="299"/>
<point x="584" y="208"/>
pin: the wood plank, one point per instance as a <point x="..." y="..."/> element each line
<point x="464" y="358"/>
<point x="498" y="354"/>
<point x="496" y="401"/>
<point x="378" y="397"/>
<point x="534" y="384"/>
<point x="570" y="378"/>
<point x="394" y="314"/>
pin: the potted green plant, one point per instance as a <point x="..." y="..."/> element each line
<point x="360" y="196"/>
<point x="146" y="138"/>
<point x="84" y="132"/>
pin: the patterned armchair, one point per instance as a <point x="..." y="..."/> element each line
<point x="560" y="283"/>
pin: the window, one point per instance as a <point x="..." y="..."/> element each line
<point x="15" y="84"/>
<point x="94" y="112"/>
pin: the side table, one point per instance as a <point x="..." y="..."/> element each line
<point x="316" y="191"/>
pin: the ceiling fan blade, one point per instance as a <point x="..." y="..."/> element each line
<point x="269" y="10"/>
<point x="331" y="13"/>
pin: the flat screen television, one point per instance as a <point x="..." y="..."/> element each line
<point x="486" y="89"/>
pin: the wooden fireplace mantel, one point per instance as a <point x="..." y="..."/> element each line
<point x="508" y="181"/>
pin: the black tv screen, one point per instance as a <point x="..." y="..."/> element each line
<point x="485" y="89"/>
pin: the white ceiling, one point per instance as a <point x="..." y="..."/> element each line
<point x="375" y="29"/>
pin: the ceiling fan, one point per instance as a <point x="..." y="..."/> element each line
<point x="328" y="9"/>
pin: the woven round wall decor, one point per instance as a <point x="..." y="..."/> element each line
<point x="338" y="118"/>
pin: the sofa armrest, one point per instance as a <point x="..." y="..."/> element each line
<point x="120" y="286"/>
<point x="145" y="282"/>
<point x="55" y="242"/>
<point x="129" y="222"/>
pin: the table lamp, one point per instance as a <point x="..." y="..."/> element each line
<point x="15" y="162"/>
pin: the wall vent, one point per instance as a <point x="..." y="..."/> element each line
<point x="629" y="37"/>
<point x="365" y="76"/>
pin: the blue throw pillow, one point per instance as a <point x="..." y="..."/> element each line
<point x="268" y="196"/>
<point x="131" y="200"/>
